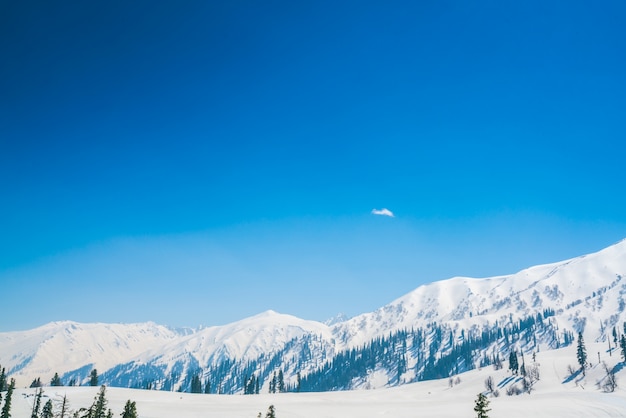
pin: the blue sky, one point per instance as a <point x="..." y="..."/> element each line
<point x="197" y="163"/>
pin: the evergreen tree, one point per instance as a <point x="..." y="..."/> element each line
<point x="513" y="363"/>
<point x="36" y="404"/>
<point x="93" y="378"/>
<point x="273" y="384"/>
<point x="36" y="383"/>
<point x="6" y="409"/>
<point x="271" y="412"/>
<point x="622" y="344"/>
<point x="56" y="380"/>
<point x="196" y="384"/>
<point x="207" y="386"/>
<point x="581" y="352"/>
<point x="130" y="410"/>
<point x="281" y="381"/>
<point x="481" y="406"/>
<point x="47" y="411"/>
<point x="3" y="380"/>
<point x="100" y="404"/>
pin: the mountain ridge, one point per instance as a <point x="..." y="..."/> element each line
<point x="582" y="294"/>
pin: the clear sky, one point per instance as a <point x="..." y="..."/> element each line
<point x="198" y="162"/>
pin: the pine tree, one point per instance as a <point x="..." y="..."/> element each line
<point x="36" y="404"/>
<point x="581" y="352"/>
<point x="130" y="410"/>
<point x="100" y="404"/>
<point x="273" y="384"/>
<point x="6" y="409"/>
<point x="56" y="380"/>
<point x="196" y="384"/>
<point x="93" y="378"/>
<point x="513" y="363"/>
<point x="47" y="411"/>
<point x="481" y="404"/>
<point x="3" y="380"/>
<point x="281" y="381"/>
<point x="622" y="344"/>
<point x="207" y="386"/>
<point x="271" y="412"/>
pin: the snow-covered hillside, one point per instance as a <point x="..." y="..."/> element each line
<point x="67" y="345"/>
<point x="585" y="294"/>
<point x="552" y="396"/>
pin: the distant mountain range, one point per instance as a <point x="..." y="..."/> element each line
<point x="437" y="330"/>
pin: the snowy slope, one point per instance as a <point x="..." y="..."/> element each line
<point x="584" y="292"/>
<point x="247" y="339"/>
<point x="66" y="345"/>
<point x="550" y="398"/>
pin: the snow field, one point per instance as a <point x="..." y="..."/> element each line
<point x="579" y="397"/>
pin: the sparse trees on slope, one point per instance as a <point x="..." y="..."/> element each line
<point x="489" y="384"/>
<point x="610" y="381"/>
<point x="481" y="406"/>
<point x="581" y="352"/>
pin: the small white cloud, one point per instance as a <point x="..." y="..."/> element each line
<point x="383" y="212"/>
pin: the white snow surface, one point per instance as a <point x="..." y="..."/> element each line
<point x="552" y="396"/>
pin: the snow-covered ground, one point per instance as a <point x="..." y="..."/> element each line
<point x="556" y="394"/>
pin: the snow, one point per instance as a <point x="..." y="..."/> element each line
<point x="590" y="287"/>
<point x="587" y="293"/>
<point x="551" y="397"/>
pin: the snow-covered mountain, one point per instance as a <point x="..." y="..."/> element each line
<point x="67" y="345"/>
<point x="535" y="309"/>
<point x="586" y="293"/>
